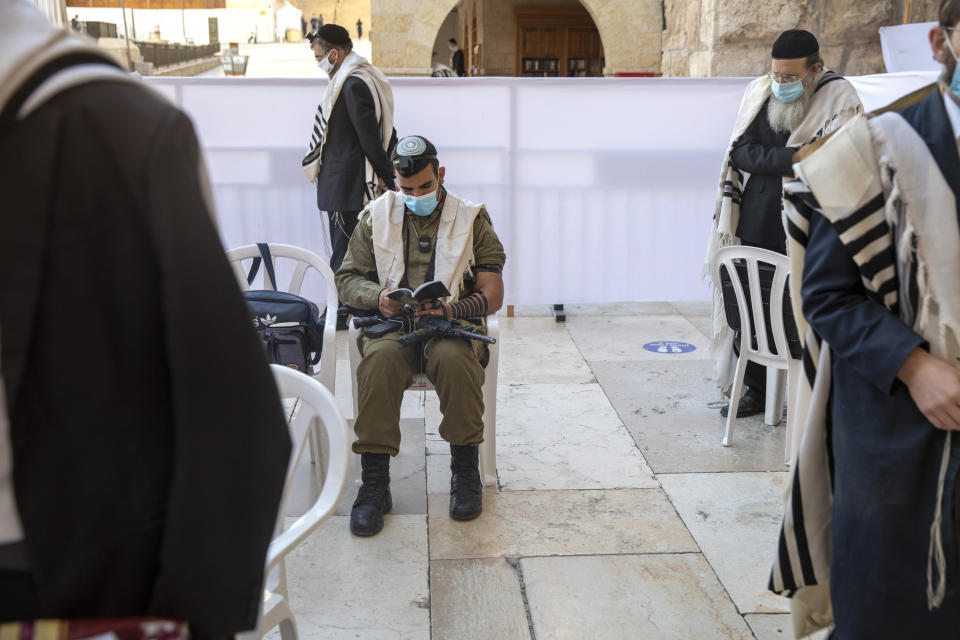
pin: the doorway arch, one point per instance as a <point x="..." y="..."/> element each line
<point x="630" y="30"/>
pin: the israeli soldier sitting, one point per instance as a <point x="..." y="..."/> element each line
<point x="402" y="240"/>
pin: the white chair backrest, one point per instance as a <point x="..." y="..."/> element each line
<point x="316" y="410"/>
<point x="304" y="261"/>
<point x="752" y="319"/>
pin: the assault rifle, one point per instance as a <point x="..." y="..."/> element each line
<point x="416" y="330"/>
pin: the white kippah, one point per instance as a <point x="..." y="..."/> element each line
<point x="411" y="146"/>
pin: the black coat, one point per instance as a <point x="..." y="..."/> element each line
<point x="886" y="454"/>
<point x="457" y="61"/>
<point x="353" y="137"/>
<point x="761" y="151"/>
<point x="149" y="445"/>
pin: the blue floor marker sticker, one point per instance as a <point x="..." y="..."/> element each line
<point x="669" y="347"/>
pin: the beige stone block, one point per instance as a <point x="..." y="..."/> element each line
<point x="659" y="597"/>
<point x="864" y="60"/>
<point x="476" y="599"/>
<point x="833" y="56"/>
<point x="374" y="587"/>
<point x="700" y="64"/>
<point x="739" y="22"/>
<point x="525" y="523"/>
<point x="565" y="436"/>
<point x="676" y="64"/>
<point x="400" y="24"/>
<point x="735" y="519"/>
<point x="750" y="62"/>
<point x="921" y="11"/>
<point x="777" y="626"/>
<point x="856" y="20"/>
<point x="530" y="342"/>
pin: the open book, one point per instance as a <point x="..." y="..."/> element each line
<point x="426" y="291"/>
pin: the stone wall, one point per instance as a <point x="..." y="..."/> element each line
<point x="712" y="38"/>
<point x="404" y="31"/>
<point x="920" y="10"/>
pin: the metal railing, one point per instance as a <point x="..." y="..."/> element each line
<point x="165" y="55"/>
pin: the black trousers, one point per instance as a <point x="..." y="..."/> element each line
<point x="342" y="224"/>
<point x="755" y="376"/>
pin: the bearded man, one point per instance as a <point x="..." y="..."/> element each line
<point x="782" y="113"/>
<point x="870" y="536"/>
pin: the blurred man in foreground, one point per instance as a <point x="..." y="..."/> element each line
<point x="870" y="535"/>
<point x="145" y="452"/>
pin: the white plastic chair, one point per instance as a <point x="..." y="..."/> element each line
<point x="488" y="450"/>
<point x="305" y="260"/>
<point x="316" y="412"/>
<point x="753" y="324"/>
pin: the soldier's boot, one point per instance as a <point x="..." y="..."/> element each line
<point x="466" y="488"/>
<point x="373" y="499"/>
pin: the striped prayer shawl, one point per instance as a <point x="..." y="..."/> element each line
<point x="834" y="103"/>
<point x="889" y="227"/>
<point x="354" y="65"/>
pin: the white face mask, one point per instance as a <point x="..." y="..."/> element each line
<point x="325" y="65"/>
<point x="453" y="47"/>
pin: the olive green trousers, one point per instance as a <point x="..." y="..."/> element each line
<point x="453" y="365"/>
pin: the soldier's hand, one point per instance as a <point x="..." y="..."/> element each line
<point x="388" y="307"/>
<point x="801" y="153"/>
<point x="934" y="386"/>
<point x="433" y="308"/>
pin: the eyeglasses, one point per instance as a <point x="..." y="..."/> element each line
<point x="785" y="78"/>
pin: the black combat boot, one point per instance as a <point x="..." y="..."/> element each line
<point x="373" y="499"/>
<point x="466" y="488"/>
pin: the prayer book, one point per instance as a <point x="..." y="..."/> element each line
<point x="426" y="291"/>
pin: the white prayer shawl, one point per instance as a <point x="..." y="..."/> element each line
<point x="873" y="173"/>
<point x="354" y="65"/>
<point x="454" y="246"/>
<point x="834" y="103"/>
<point x="29" y="42"/>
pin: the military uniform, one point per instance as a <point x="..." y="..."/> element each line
<point x="453" y="365"/>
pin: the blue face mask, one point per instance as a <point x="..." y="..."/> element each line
<point x="788" y="91"/>
<point x="421" y="205"/>
<point x="955" y="81"/>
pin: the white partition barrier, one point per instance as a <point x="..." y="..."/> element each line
<point x="602" y="190"/>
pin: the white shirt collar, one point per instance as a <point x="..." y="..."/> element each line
<point x="953" y="112"/>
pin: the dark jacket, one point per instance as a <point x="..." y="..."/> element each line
<point x="761" y="151"/>
<point x="353" y="137"/>
<point x="886" y="454"/>
<point x="457" y="63"/>
<point x="149" y="444"/>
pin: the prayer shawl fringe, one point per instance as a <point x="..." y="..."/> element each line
<point x="353" y="65"/>
<point x="454" y="249"/>
<point x="877" y="183"/>
<point x="834" y="103"/>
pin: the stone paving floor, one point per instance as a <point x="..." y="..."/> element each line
<point x="619" y="515"/>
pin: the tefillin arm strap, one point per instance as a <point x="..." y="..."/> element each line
<point x="473" y="306"/>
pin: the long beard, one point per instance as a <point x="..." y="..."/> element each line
<point x="785" y="117"/>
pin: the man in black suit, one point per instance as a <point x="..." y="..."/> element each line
<point x="456" y="58"/>
<point x="149" y="447"/>
<point x="348" y="135"/>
